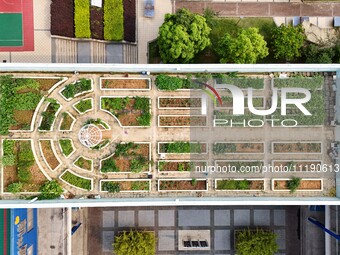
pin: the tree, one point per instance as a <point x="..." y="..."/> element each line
<point x="288" y="41"/>
<point x="247" y="47"/>
<point x="316" y="54"/>
<point x="50" y="190"/>
<point x="135" y="243"/>
<point x="256" y="242"/>
<point x="182" y="36"/>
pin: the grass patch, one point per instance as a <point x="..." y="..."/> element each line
<point x="66" y="146"/>
<point x="113" y="20"/>
<point x="82" y="18"/>
<point x="76" y="180"/>
<point x="84" y="105"/>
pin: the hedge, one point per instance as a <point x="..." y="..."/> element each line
<point x="113" y="20"/>
<point x="82" y="18"/>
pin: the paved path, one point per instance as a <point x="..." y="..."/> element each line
<point x="263" y="9"/>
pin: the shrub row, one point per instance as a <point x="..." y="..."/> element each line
<point x="82" y="18"/>
<point x="113" y="20"/>
<point x="76" y="180"/>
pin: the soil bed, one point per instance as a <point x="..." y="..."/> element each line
<point x="299" y="166"/>
<point x="180" y="102"/>
<point x="221" y="148"/>
<point x="97" y="26"/>
<point x="186" y="147"/>
<point x="129" y="7"/>
<point x="304" y="185"/>
<point x="132" y="185"/>
<point x="66" y="122"/>
<point x="136" y="159"/>
<point x="23" y="119"/>
<point x="297" y="147"/>
<point x="83" y="163"/>
<point x="236" y="185"/>
<point x="179" y="166"/>
<point x="46" y="84"/>
<point x="182" y="185"/>
<point x="194" y="121"/>
<point x="62" y="21"/>
<point x="49" y="156"/>
<point x="125" y="83"/>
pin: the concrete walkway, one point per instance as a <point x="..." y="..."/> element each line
<point x="263" y="9"/>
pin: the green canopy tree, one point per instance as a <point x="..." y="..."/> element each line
<point x="247" y="47"/>
<point x="182" y="36"/>
<point x="258" y="242"/>
<point x="135" y="243"/>
<point x="288" y="41"/>
<point x="50" y="190"/>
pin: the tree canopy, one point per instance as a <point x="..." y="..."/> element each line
<point x="247" y="47"/>
<point x="135" y="243"/>
<point x="50" y="190"/>
<point x="256" y="242"/>
<point x="288" y="41"/>
<point x="182" y="36"/>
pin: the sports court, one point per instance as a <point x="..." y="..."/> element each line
<point x="16" y="29"/>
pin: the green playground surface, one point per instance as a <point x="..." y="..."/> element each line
<point x="5" y="231"/>
<point x="11" y="33"/>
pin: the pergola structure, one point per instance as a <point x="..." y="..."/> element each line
<point x="90" y="135"/>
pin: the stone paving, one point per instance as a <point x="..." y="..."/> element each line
<point x="166" y="222"/>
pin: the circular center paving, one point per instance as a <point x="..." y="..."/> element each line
<point x="90" y="135"/>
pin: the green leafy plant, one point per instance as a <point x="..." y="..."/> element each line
<point x="166" y="82"/>
<point x="82" y="85"/>
<point x="50" y="190"/>
<point x="49" y="115"/>
<point x="82" y="18"/>
<point x="293" y="184"/>
<point x="135" y="243"/>
<point x="83" y="105"/>
<point x="256" y="242"/>
<point x="113" y="20"/>
<point x="112" y="187"/>
<point x="109" y="165"/>
<point x="66" y="146"/>
<point x="76" y="180"/>
<point x="24" y="175"/>
<point x="15" y="187"/>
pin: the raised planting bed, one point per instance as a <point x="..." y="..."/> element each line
<point x="227" y="102"/>
<point x="298" y="165"/>
<point x="78" y="88"/>
<point x="84" y="105"/>
<point x="129" y="20"/>
<point x="82" y="19"/>
<point x="97" y="26"/>
<point x="76" y="180"/>
<point x="238" y="147"/>
<point x="316" y="106"/>
<point x="62" y="21"/>
<point x="179" y="102"/>
<point x="66" y="147"/>
<point x="240" y="82"/>
<point x="237" y="166"/>
<point x="182" y="185"/>
<point x="167" y="82"/>
<point x="101" y="145"/>
<point x="84" y="163"/>
<point x="98" y="122"/>
<point x="305" y="185"/>
<point x="113" y="186"/>
<point x="113" y="20"/>
<point x="180" y="147"/>
<point x="128" y="157"/>
<point x="226" y="118"/>
<point x="20" y="173"/>
<point x="130" y="111"/>
<point x="297" y="148"/>
<point x="182" y="121"/>
<point x="49" y="154"/>
<point x="49" y="115"/>
<point x="48" y="84"/>
<point x="67" y="122"/>
<point x="311" y="83"/>
<point x="240" y="184"/>
<point x="180" y="166"/>
<point x="118" y="83"/>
